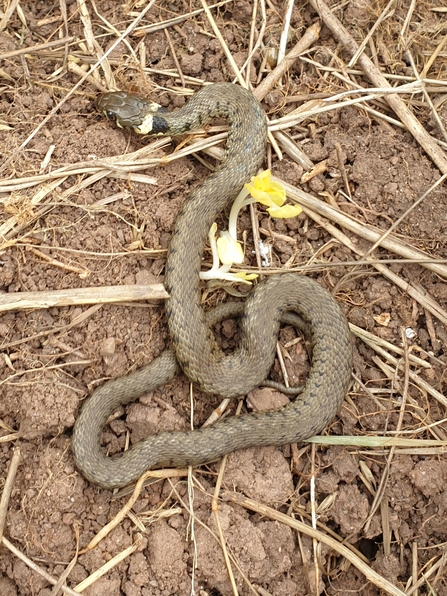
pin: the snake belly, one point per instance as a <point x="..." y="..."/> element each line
<point x="194" y="347"/>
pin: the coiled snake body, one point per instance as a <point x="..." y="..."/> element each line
<point x="193" y="345"/>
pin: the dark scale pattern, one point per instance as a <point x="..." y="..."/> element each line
<point x="273" y="299"/>
<point x="160" y="126"/>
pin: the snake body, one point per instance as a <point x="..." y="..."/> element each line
<point x="194" y="347"/>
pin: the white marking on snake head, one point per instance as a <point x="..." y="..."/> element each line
<point x="146" y="126"/>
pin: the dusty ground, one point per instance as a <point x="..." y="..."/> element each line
<point x="45" y="378"/>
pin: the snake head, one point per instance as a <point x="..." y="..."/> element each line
<point x="128" y="110"/>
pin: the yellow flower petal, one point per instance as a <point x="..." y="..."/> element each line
<point x="263" y="190"/>
<point x="285" y="212"/>
<point x="245" y="278"/>
<point x="229" y="250"/>
<point x="278" y="190"/>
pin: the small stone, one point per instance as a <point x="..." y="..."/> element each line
<point x="108" y="346"/>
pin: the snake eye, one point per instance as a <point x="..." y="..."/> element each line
<point x="110" y="115"/>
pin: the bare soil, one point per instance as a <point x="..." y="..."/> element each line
<point x="48" y="368"/>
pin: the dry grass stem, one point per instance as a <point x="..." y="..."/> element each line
<point x="215" y="510"/>
<point x="395" y="362"/>
<point x="396" y="103"/>
<point x="79" y="588"/>
<point x="78" y="320"/>
<point x="29" y="563"/>
<point x="342" y="550"/>
<point x="10" y="8"/>
<point x="384" y="15"/>
<point x="130" y="503"/>
<point x="63" y="577"/>
<point x="375" y="441"/>
<point x="7" y="488"/>
<point x="437" y="84"/>
<point x="309" y="38"/>
<point x="57" y="107"/>
<point x="139" y="31"/>
<point x="130" y="162"/>
<point x="293" y="150"/>
<point x="285" y="33"/>
<point x="391" y="243"/>
<point x="373" y="340"/>
<point x="37" y="48"/>
<point x="223" y="43"/>
<point x="10" y="438"/>
<point x="70" y="297"/>
<point x="215" y="537"/>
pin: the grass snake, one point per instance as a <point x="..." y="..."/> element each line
<point x="194" y="347"/>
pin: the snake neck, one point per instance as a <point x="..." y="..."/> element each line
<point x="242" y="158"/>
